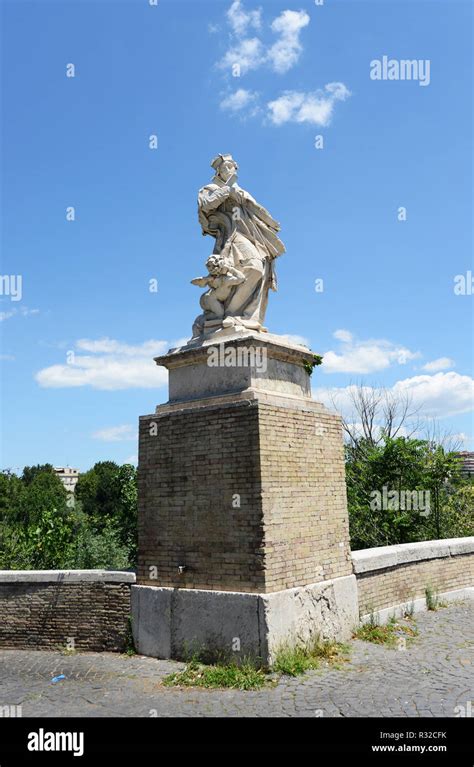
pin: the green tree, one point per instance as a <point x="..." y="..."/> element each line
<point x="45" y="543"/>
<point x="127" y="516"/>
<point x="458" y="513"/>
<point x="12" y="489"/>
<point x="443" y="477"/>
<point x="371" y="469"/>
<point x="30" y="472"/>
<point x="108" y="496"/>
<point x="98" y="490"/>
<point x="44" y="493"/>
<point x="404" y="465"/>
<point x="34" y="525"/>
<point x="91" y="548"/>
<point x="38" y="530"/>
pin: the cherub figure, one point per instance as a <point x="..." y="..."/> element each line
<point x="222" y="278"/>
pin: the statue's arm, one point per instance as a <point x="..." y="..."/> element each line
<point x="234" y="275"/>
<point x="201" y="282"/>
<point x="210" y="198"/>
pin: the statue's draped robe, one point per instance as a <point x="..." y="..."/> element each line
<point x="242" y="235"/>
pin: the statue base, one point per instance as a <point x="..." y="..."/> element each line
<point x="232" y="625"/>
<point x="243" y="525"/>
<point x="234" y="361"/>
<point x="230" y="325"/>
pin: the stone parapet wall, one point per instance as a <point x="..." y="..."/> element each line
<point x="80" y="609"/>
<point x="389" y="576"/>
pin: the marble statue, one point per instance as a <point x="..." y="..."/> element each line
<point x="241" y="268"/>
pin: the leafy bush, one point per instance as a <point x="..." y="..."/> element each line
<point x="405" y="465"/>
<point x="92" y="549"/>
<point x="40" y="530"/>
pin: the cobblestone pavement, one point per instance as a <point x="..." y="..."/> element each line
<point x="430" y="678"/>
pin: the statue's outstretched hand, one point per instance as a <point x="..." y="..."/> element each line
<point x="201" y="282"/>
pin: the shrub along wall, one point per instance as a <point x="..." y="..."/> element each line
<point x="81" y="609"/>
<point x="388" y="576"/>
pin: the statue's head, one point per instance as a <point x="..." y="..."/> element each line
<point x="225" y="166"/>
<point x="214" y="264"/>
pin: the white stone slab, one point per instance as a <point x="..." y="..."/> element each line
<point x="175" y="623"/>
<point x="367" y="560"/>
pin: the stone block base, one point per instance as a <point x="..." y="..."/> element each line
<point x="175" y="623"/>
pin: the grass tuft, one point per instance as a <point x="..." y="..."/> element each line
<point x="433" y="601"/>
<point x="389" y="634"/>
<point x="246" y="676"/>
<point x="294" y="661"/>
<point x="250" y="674"/>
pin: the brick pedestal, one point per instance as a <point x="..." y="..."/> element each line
<point x="242" y="507"/>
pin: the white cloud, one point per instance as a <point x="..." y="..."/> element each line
<point x="364" y="356"/>
<point x="239" y="19"/>
<point x="441" y="394"/>
<point x="442" y="363"/>
<point x="436" y="396"/>
<point x="110" y="346"/>
<point x="343" y="335"/>
<point x="111" y="365"/>
<point x="116" y="433"/>
<point x="284" y="54"/>
<point x="461" y="437"/>
<point x="239" y="100"/>
<point x="357" y="428"/>
<point x="248" y="54"/>
<point x="133" y="459"/>
<point x="22" y="311"/>
<point x="251" y="53"/>
<point x="180" y="342"/>
<point x="295" y="339"/>
<point x="339" y="397"/>
<point x="315" y="108"/>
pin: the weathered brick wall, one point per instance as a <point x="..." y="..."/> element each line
<point x="383" y="587"/>
<point x="304" y="496"/>
<point x="45" y="615"/>
<point x="247" y="495"/>
<point x="188" y="478"/>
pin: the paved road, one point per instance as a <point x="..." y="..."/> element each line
<point x="433" y="676"/>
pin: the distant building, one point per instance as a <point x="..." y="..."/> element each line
<point x="467" y="463"/>
<point x="68" y="477"/>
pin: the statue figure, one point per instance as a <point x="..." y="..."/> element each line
<point x="221" y="279"/>
<point x="246" y="246"/>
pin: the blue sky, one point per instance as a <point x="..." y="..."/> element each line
<point x="77" y="349"/>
